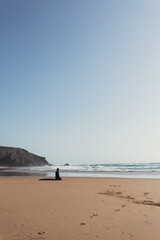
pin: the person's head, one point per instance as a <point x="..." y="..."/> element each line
<point x="57" y="169"/>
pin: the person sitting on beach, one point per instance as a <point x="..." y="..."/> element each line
<point x="57" y="175"/>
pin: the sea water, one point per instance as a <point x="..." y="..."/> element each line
<point x="123" y="170"/>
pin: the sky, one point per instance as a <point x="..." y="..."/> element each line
<point x="80" y="79"/>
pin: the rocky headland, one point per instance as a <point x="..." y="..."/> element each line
<point x="18" y="157"/>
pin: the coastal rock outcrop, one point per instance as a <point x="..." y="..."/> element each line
<point x="18" y="157"/>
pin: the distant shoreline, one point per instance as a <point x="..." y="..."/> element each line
<point x="49" y="171"/>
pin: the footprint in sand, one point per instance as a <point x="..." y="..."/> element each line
<point x="131" y="235"/>
<point x="94" y="215"/>
<point x="41" y="233"/>
<point x="129" y="197"/>
<point x="146" y="193"/>
<point x="147" y="222"/>
<point x="83" y="223"/>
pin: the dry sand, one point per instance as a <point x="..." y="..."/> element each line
<point x="79" y="208"/>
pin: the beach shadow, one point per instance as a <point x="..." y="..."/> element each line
<point x="47" y="179"/>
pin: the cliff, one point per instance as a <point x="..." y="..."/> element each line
<point x="17" y="157"/>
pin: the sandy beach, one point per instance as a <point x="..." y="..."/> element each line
<point x="79" y="208"/>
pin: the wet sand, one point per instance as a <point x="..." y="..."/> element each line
<point x="79" y="208"/>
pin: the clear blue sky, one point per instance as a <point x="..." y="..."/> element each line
<point x="80" y="79"/>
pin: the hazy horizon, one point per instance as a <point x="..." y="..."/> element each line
<point x="80" y="79"/>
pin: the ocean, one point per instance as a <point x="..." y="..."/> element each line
<point x="124" y="170"/>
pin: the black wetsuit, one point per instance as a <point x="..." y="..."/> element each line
<point x="57" y="176"/>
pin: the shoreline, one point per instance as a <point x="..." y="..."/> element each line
<point x="136" y="171"/>
<point x="77" y="177"/>
<point x="21" y="172"/>
<point x="79" y="208"/>
<point x="34" y="175"/>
